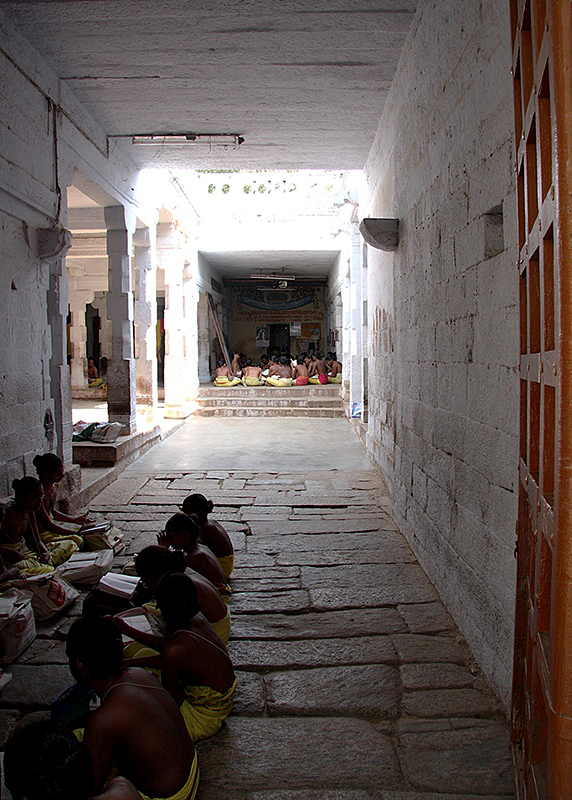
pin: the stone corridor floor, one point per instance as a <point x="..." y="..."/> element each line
<point x="353" y="682"/>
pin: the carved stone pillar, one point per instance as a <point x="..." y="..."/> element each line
<point x="121" y="368"/>
<point x="178" y="380"/>
<point x="144" y="241"/>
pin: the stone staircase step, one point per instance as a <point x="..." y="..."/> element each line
<point x="263" y="391"/>
<point x="275" y="402"/>
<point x="269" y="411"/>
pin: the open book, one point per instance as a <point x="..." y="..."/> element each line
<point x="96" y="527"/>
<point x="119" y="585"/>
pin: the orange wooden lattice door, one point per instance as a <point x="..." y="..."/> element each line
<point x="542" y="689"/>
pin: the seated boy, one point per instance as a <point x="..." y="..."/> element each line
<point x="195" y="666"/>
<point x="45" y="761"/>
<point x="138" y="727"/>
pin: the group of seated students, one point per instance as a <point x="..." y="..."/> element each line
<point x="280" y="370"/>
<point x="158" y="692"/>
<point x="32" y="540"/>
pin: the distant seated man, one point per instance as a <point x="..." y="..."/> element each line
<point x="280" y="374"/>
<point x="251" y="374"/>
<point x="319" y="371"/>
<point x="138" y="728"/>
<point x="45" y="761"/>
<point x="334" y="370"/>
<point x="224" y="376"/>
<point x="300" y="372"/>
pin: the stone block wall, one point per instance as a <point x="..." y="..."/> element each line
<point x="443" y="316"/>
<point x="37" y="113"/>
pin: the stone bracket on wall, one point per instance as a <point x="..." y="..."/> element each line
<point x="383" y="234"/>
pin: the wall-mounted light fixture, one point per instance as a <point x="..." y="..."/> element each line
<point x="272" y="276"/>
<point x="383" y="234"/>
<point x="233" y="140"/>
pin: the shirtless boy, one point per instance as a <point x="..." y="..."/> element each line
<point x="182" y="533"/>
<point x="138" y="727"/>
<point x="45" y="761"/>
<point x="251" y="375"/>
<point x="319" y="373"/>
<point x="300" y="372"/>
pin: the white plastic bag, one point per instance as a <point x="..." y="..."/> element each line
<point x="87" y="568"/>
<point x="17" y="624"/>
<point x="50" y="593"/>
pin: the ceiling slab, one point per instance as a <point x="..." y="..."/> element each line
<point x="303" y="82"/>
<point x="301" y="263"/>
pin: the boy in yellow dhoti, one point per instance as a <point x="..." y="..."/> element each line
<point x="56" y="537"/>
<point x="212" y="534"/>
<point x="224" y="377"/>
<point x="20" y="542"/>
<point x="251" y="374"/>
<point x="138" y="726"/>
<point x="195" y="667"/>
<point x="154" y="561"/>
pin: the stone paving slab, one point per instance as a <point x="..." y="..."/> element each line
<point x="120" y="492"/>
<point x="329" y="624"/>
<point x="356" y="794"/>
<point x="260" y="602"/>
<point x="192" y="485"/>
<point x="390" y="551"/>
<point x="363" y="575"/>
<point x="261" y="573"/>
<point x="365" y="691"/>
<point x="249" y="695"/>
<point x="35" y="687"/>
<point x="426" y="618"/>
<point x="265" y="754"/>
<point x="272" y="655"/>
<point x="416" y="647"/>
<point x="396" y="589"/>
<point x="445" y="702"/>
<point x="471" y="760"/>
<point x="436" y="676"/>
<point x="264" y="584"/>
<point x="307" y="526"/>
<point x="284" y="543"/>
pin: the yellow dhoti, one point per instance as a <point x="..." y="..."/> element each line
<point x="188" y="791"/>
<point x="222" y="627"/>
<point x="60" y="546"/>
<point x="337" y="379"/>
<point x="227" y="564"/>
<point x="29" y="560"/>
<point x="247" y="380"/>
<point x="222" y="380"/>
<point x="279" y="381"/>
<point x="204" y="710"/>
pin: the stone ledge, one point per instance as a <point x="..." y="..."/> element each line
<point x="108" y="454"/>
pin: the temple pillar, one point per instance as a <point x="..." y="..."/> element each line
<point x="178" y="381"/>
<point x="145" y="258"/>
<point x="121" y="367"/>
<point x="78" y="299"/>
<point x="60" y="389"/>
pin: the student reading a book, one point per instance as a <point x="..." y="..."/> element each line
<point x="212" y="534"/>
<point x="182" y="533"/>
<point x="138" y="728"/>
<point x="60" y="768"/>
<point x="154" y="561"/>
<point x="195" y="667"/>
<point x="20" y="543"/>
<point x="79" y="529"/>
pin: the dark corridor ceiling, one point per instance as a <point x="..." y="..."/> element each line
<point x="303" y="81"/>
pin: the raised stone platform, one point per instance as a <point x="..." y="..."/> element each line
<point x="270" y="401"/>
<point x="107" y="454"/>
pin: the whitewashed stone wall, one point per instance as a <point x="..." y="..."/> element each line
<point x="32" y="377"/>
<point x="443" y="381"/>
